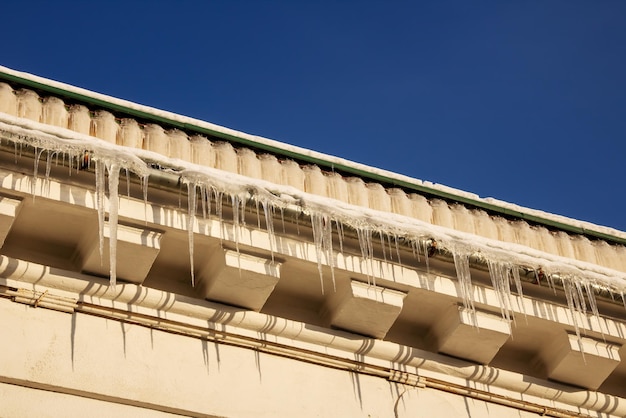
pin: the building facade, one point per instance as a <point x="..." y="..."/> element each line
<point x="156" y="265"/>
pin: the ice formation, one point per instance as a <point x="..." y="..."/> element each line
<point x="329" y="218"/>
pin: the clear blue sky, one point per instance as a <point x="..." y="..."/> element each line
<point x="522" y="101"/>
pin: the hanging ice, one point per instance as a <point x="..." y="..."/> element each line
<point x="114" y="180"/>
<point x="322" y="227"/>
<point x="191" y="218"/>
<point x="501" y="281"/>
<point x="219" y="188"/>
<point x="100" y="192"/>
<point x="461" y="264"/>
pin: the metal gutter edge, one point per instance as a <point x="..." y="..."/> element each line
<point x="57" y="91"/>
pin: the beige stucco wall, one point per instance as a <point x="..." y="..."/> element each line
<point x="102" y="367"/>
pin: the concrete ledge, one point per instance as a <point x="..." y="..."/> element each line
<point x="9" y="208"/>
<point x="238" y="279"/>
<point x="475" y="336"/>
<point x="584" y="362"/>
<point x="137" y="248"/>
<point x="363" y="309"/>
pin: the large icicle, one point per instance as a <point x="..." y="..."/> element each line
<point x="461" y="264"/>
<point x="518" y="286"/>
<point x="269" y="224"/>
<point x="576" y="307"/>
<point x="114" y="179"/>
<point x="322" y="226"/>
<point x="500" y="279"/>
<point x="100" y="192"/>
<point x="191" y="220"/>
<point x="364" y="235"/>
<point x="238" y="201"/>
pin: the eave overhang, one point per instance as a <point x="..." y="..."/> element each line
<point x="147" y="114"/>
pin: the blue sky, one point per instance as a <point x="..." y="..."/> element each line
<point x="522" y="101"/>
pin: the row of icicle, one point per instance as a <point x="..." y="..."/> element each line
<point x="109" y="160"/>
<point x="198" y="149"/>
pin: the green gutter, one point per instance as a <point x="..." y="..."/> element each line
<point x="59" y="92"/>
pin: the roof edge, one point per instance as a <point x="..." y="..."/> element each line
<point x="323" y="160"/>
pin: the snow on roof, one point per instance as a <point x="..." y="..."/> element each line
<point x="324" y="159"/>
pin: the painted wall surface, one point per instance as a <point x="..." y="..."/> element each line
<point x="78" y="365"/>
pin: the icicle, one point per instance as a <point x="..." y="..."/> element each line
<point x="413" y="244"/>
<point x="518" y="286"/>
<point x="395" y="239"/>
<point x="269" y="224"/>
<point x="298" y="223"/>
<point x="339" y="226"/>
<point x="191" y="217"/>
<point x="499" y="273"/>
<point x="70" y="162"/>
<point x="316" y="224"/>
<point x="127" y="182"/>
<point x="100" y="186"/>
<point x="244" y="203"/>
<point x="239" y="206"/>
<point x="593" y="304"/>
<point x="574" y="305"/>
<point x="218" y="211"/>
<point x="35" y="170"/>
<point x="207" y="197"/>
<point x="581" y="296"/>
<point x="425" y="250"/>
<point x="114" y="178"/>
<point x="46" y="183"/>
<point x="461" y="263"/>
<point x="203" y="198"/>
<point x="390" y="247"/>
<point x="258" y="213"/>
<point x="540" y="275"/>
<point x="180" y="194"/>
<point x="49" y="164"/>
<point x="382" y="246"/>
<point x="328" y="240"/>
<point x="144" y="189"/>
<point x="323" y="239"/>
<point x="364" y="235"/>
<point x="282" y="218"/>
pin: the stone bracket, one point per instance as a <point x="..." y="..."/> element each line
<point x="470" y="334"/>
<point x="238" y="279"/>
<point x="584" y="361"/>
<point x="9" y="208"/>
<point x="137" y="248"/>
<point x="363" y="309"/>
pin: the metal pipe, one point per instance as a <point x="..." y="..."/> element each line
<point x="501" y="400"/>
